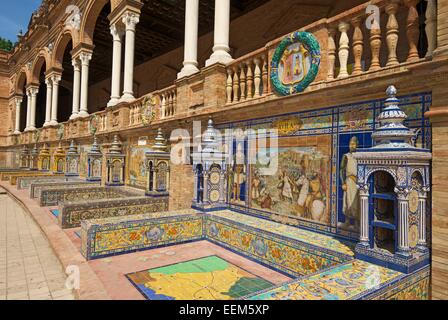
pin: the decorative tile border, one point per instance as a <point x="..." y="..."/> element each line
<point x="25" y="182"/>
<point x="37" y="187"/>
<point x="72" y="213"/>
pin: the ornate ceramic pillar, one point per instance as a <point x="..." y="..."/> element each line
<point x="403" y="221"/>
<point x="331" y="53"/>
<point x="33" y="91"/>
<point x="117" y="35"/>
<point x="49" y="97"/>
<point x="221" y="49"/>
<point x="18" y="107"/>
<point x="85" y="58"/>
<point x="344" y="46"/>
<point x="54" y="101"/>
<point x="412" y="31"/>
<point x="422" y="243"/>
<point x="364" y="227"/>
<point x="358" y="45"/>
<point x="431" y="26"/>
<point x="76" y="87"/>
<point x="130" y="20"/>
<point x="392" y="33"/>
<point x="205" y="188"/>
<point x="191" y="39"/>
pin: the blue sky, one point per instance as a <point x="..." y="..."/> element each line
<point x="15" y="15"/>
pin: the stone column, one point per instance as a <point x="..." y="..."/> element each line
<point x="33" y="92"/>
<point x="403" y="222"/>
<point x="49" y="97"/>
<point x="85" y="58"/>
<point x="18" y="107"/>
<point x="364" y="227"/>
<point x="130" y="20"/>
<point x="28" y="110"/>
<point x="422" y="244"/>
<point x="76" y="87"/>
<point x="54" y="102"/>
<point x="117" y="35"/>
<point x="205" y="188"/>
<point x="221" y="47"/>
<point x="191" y="39"/>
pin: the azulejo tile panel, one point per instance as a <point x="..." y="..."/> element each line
<point x="72" y="213"/>
<point x="37" y="187"/>
<point x="25" y="182"/>
<point x="309" y="237"/>
<point x="289" y="256"/>
<point x="99" y="240"/>
<point x="344" y="282"/>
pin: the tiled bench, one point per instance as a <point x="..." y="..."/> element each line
<point x="118" y="235"/>
<point x="289" y="255"/>
<point x="355" y="280"/>
<point x="13" y="177"/>
<point x="53" y="197"/>
<point x="37" y="187"/>
<point x="71" y="213"/>
<point x="25" y="182"/>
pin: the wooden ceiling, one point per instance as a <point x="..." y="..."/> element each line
<point x="160" y="30"/>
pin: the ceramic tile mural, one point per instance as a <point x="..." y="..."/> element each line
<point x="136" y="172"/>
<point x="209" y="278"/>
<point x="72" y="213"/>
<point x="313" y="186"/>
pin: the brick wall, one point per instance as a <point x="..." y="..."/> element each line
<point x="181" y="187"/>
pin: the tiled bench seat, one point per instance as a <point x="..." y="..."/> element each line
<point x="25" y="182"/>
<point x="354" y="280"/>
<point x="295" y="255"/>
<point x="71" y="213"/>
<point x="53" y="197"/>
<point x="37" y="187"/>
<point x="118" y="235"/>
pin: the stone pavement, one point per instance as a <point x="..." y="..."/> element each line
<point x="29" y="268"/>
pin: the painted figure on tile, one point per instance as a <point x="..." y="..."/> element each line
<point x="239" y="182"/>
<point x="96" y="168"/>
<point x="294" y="64"/>
<point x="45" y="164"/>
<point x="60" y="165"/>
<point x="73" y="166"/>
<point x="298" y="187"/>
<point x="348" y="175"/>
<point x="116" y="171"/>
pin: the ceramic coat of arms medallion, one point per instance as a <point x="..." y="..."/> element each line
<point x="295" y="63"/>
<point x="147" y="110"/>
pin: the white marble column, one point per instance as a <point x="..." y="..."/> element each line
<point x="18" y="107"/>
<point x="221" y="47"/>
<point x="28" y="109"/>
<point x="33" y="91"/>
<point x="54" y="101"/>
<point x="85" y="58"/>
<point x="191" y="39"/>
<point x="76" y="87"/>
<point x="364" y="227"/>
<point x="130" y="20"/>
<point x="403" y="223"/>
<point x="49" y="97"/>
<point x="422" y="243"/>
<point x="117" y="35"/>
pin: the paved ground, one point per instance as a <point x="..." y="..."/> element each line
<point x="28" y="267"/>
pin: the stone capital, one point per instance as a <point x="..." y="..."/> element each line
<point x="117" y="31"/>
<point x="85" y="58"/>
<point x="130" y="20"/>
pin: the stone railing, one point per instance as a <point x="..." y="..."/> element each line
<point x="247" y="77"/>
<point x="358" y="43"/>
<point x="168" y="102"/>
<point x="352" y="44"/>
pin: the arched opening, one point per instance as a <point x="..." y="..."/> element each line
<point x="151" y="176"/>
<point x="21" y="90"/>
<point x="65" y="95"/>
<point x="385" y="212"/>
<point x="41" y="99"/>
<point x="200" y="184"/>
<point x="101" y="64"/>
